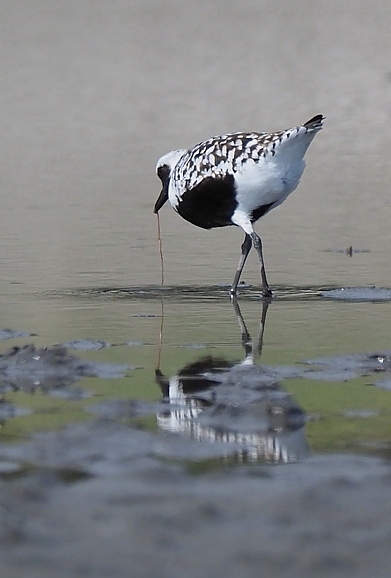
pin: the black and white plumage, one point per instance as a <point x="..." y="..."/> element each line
<point x="235" y="179"/>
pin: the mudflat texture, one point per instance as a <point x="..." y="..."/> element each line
<point x="142" y="516"/>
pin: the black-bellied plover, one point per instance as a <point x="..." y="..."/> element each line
<point x="235" y="179"/>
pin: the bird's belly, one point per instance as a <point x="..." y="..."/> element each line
<point x="269" y="184"/>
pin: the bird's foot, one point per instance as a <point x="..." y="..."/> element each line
<point x="267" y="294"/>
<point x="233" y="295"/>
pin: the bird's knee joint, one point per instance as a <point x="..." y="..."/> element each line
<point x="256" y="242"/>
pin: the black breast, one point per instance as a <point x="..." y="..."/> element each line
<point x="211" y="203"/>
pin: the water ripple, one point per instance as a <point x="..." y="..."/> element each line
<point x="207" y="293"/>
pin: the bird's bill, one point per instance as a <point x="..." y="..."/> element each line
<point x="163" y="198"/>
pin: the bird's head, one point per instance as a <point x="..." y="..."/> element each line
<point x="164" y="167"/>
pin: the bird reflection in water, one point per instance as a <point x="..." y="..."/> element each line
<point x="215" y="400"/>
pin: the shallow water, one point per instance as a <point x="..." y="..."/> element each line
<point x="148" y="328"/>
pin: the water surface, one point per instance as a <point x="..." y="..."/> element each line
<point x="93" y="95"/>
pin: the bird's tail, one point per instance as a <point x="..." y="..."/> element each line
<point x="315" y="123"/>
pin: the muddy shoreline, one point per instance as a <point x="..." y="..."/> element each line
<point x="200" y="493"/>
<point x="143" y="514"/>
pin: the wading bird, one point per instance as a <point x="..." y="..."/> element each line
<point x="235" y="179"/>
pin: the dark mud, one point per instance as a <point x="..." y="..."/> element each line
<point x="362" y="294"/>
<point x="29" y="369"/>
<point x="85" y="344"/>
<point x="118" y="497"/>
<point x="105" y="499"/>
<point x="12" y="333"/>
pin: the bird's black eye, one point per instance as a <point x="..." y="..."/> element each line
<point x="163" y="172"/>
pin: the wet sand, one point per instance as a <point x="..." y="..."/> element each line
<point x="143" y="515"/>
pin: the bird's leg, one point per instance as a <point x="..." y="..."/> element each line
<point x="256" y="239"/>
<point x="246" y="337"/>
<point x="253" y="349"/>
<point x="246" y="246"/>
<point x="258" y="345"/>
